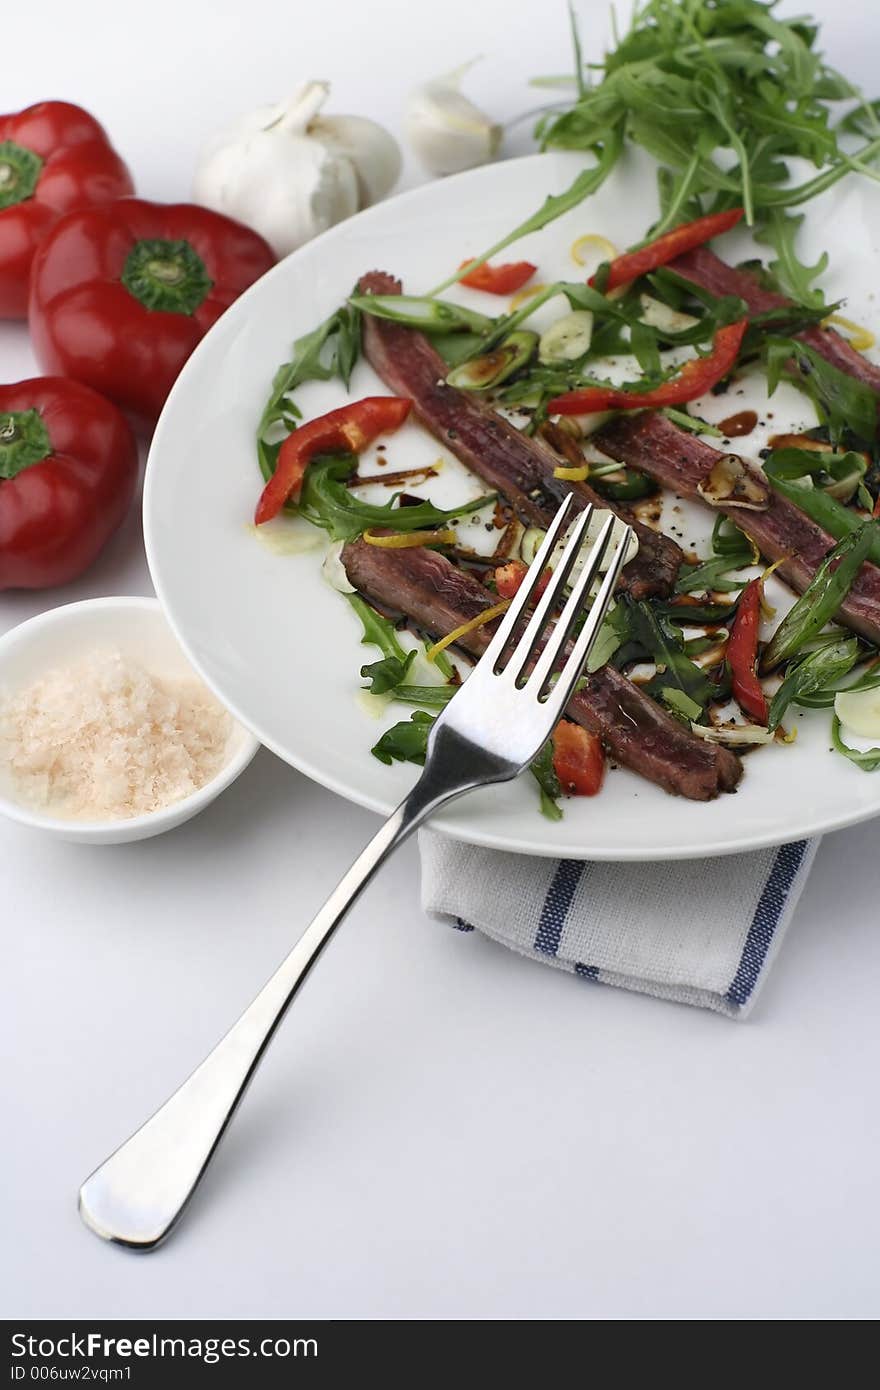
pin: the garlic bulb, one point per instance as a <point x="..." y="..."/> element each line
<point x="446" y="130"/>
<point x="291" y="173"/>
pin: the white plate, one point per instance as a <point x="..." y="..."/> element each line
<point x="281" y="649"/>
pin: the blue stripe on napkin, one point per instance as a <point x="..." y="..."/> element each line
<point x="559" y="897"/>
<point x="771" y="904"/>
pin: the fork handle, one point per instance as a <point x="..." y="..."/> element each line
<point x="140" y="1191"/>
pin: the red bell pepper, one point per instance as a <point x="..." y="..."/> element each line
<point x="698" y="375"/>
<point x="578" y="759"/>
<point x="632" y="264"/>
<point x="54" y="158"/>
<point x="742" y="653"/>
<point x="510" y="575"/>
<point x="120" y="295"/>
<point x="498" y="279"/>
<point x="68" y="468"/>
<point x="351" y="428"/>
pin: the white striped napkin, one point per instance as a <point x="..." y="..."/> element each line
<point x="701" y="932"/>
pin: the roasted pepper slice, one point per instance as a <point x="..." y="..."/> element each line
<point x="498" y="279"/>
<point x="350" y="428"/>
<point x="742" y="653"/>
<point x="665" y="249"/>
<point x="697" y="376"/>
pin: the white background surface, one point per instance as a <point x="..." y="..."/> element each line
<point x="441" y="1129"/>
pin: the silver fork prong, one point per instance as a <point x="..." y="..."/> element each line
<point x="561" y="633"/>
<point x="520" y="602"/>
<point x="550" y="600"/>
<point x="574" y="665"/>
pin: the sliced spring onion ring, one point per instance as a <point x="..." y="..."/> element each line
<point x="458" y="632"/>
<point x="656" y="314"/>
<point x="572" y="475"/>
<point x="859" y="336"/>
<point x="531" y="543"/>
<point x="403" y="540"/>
<point x="568" y="339"/>
<point x="492" y="368"/>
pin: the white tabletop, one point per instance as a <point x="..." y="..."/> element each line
<point x="441" y="1129"/>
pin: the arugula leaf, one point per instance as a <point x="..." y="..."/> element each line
<point x="845" y="404"/>
<point x="728" y="539"/>
<point x="330" y="350"/>
<point x="723" y="95"/>
<point x="379" y="631"/>
<point x="713" y="574"/>
<point x="675" y="670"/>
<point x="780" y="232"/>
<point x="387" y="674"/>
<point x="326" y="501"/>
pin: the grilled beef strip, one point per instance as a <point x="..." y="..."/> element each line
<point x="706" y="269"/>
<point x="519" y="468"/>
<point x="678" y="460"/>
<point x="426" y="587"/>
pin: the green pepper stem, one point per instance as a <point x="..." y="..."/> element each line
<point x="24" y="440"/>
<point x="166" y="276"/>
<point x="20" y="171"/>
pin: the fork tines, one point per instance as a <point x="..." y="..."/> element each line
<point x="522" y="666"/>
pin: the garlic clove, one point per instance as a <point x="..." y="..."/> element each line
<point x="371" y="150"/>
<point x="291" y="173"/>
<point x="447" y="132"/>
<point x="288" y="194"/>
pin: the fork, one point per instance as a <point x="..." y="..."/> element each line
<point x="496" y="725"/>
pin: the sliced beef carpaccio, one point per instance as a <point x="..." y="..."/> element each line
<point x="678" y="460"/>
<point x="704" y="268"/>
<point x="426" y="587"/>
<point x="520" y="468"/>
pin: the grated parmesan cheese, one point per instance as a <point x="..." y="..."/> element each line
<point x="104" y="739"/>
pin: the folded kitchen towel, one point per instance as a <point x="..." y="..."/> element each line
<point x="698" y="931"/>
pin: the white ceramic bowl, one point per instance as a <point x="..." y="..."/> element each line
<point x="137" y="628"/>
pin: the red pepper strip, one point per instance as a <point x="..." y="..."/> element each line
<point x="498" y="279"/>
<point x="632" y="264"/>
<point x="742" y="653"/>
<point x="876" y="511"/>
<point x="696" y="377"/>
<point x="351" y="428"/>
<point x="508" y="578"/>
<point x="578" y="759"/>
